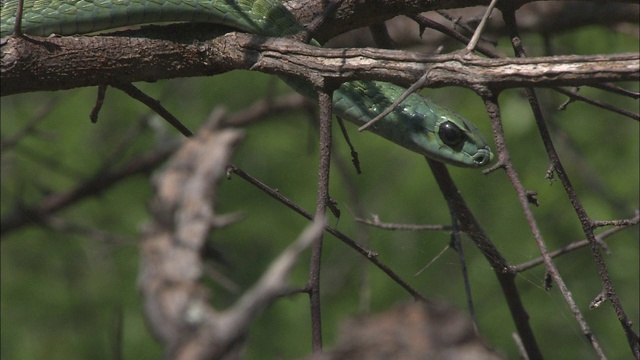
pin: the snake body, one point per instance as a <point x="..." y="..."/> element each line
<point x="417" y="124"/>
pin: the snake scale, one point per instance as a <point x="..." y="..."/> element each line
<point x="417" y="124"/>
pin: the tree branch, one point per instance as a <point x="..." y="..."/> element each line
<point x="353" y="14"/>
<point x="155" y="53"/>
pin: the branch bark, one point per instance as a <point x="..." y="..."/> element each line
<point x="37" y="64"/>
<point x="176" y="302"/>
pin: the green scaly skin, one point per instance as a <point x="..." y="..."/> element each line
<point x="417" y="124"/>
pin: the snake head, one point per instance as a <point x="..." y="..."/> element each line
<point x="417" y="123"/>
<point x="436" y="132"/>
<point x="451" y="138"/>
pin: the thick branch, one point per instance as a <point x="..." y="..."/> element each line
<point x="165" y="52"/>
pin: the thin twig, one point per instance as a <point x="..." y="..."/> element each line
<point x="502" y="270"/>
<point x="520" y="346"/>
<point x="493" y="110"/>
<point x="573" y="95"/>
<point x="93" y="116"/>
<point x="361" y="232"/>
<point x="116" y="334"/>
<point x="354" y="154"/>
<point x="330" y="7"/>
<point x="100" y="181"/>
<point x="432" y="260"/>
<point x="403" y="227"/>
<point x="313" y="284"/>
<point x="425" y="22"/>
<point x="370" y="255"/>
<point x="455" y="21"/>
<point x="623" y="222"/>
<point x="612" y="88"/>
<point x="575" y="245"/>
<point x="272" y="284"/>
<point x="17" y="27"/>
<point x="510" y="20"/>
<point x="415" y="87"/>
<point x="456" y="244"/>
<point x="135" y="93"/>
<point x="476" y="35"/>
<point x="91" y="187"/>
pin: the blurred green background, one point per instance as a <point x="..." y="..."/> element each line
<point x="63" y="292"/>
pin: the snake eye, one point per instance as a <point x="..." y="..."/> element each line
<point x="450" y="134"/>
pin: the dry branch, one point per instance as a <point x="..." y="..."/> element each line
<point x="176" y="304"/>
<point x="353" y="14"/>
<point x="38" y="64"/>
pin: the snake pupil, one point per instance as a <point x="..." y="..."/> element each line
<point x="450" y="134"/>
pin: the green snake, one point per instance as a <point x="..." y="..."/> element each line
<point x="417" y="123"/>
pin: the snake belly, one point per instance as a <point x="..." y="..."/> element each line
<point x="417" y="123"/>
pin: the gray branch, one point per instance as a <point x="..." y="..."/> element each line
<point x="57" y="64"/>
<point x="176" y="304"/>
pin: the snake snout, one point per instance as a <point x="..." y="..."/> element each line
<point x="482" y="157"/>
